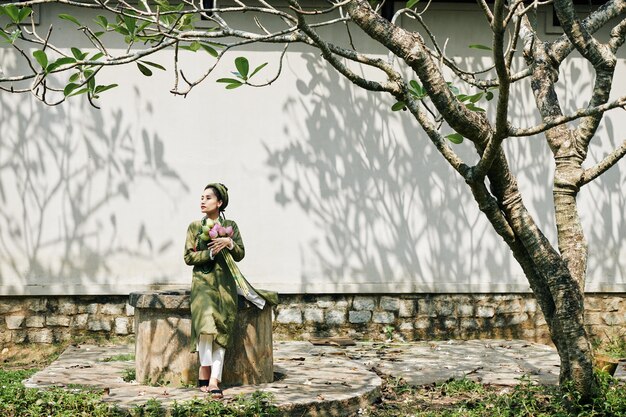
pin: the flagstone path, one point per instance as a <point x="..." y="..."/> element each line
<point x="322" y="380"/>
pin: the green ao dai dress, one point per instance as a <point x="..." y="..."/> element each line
<point x="213" y="287"/>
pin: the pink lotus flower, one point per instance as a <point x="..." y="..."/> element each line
<point x="229" y="230"/>
<point x="212" y="233"/>
<point x="222" y="231"/>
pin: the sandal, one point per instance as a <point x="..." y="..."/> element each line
<point x="203" y="384"/>
<point x="216" y="394"/>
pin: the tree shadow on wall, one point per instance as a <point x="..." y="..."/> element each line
<point x="59" y="176"/>
<point x="389" y="207"/>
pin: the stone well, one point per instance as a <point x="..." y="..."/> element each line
<point x="163" y="337"/>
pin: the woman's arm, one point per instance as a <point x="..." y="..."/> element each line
<point x="238" y="251"/>
<point x="193" y="257"/>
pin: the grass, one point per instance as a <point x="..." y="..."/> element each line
<point x="457" y="398"/>
<point x="612" y="345"/>
<point x="129" y="374"/>
<point x="19" y="401"/>
<point x="465" y="398"/>
<point x="120" y="358"/>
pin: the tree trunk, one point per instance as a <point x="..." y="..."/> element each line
<point x="557" y="279"/>
<point x="569" y="335"/>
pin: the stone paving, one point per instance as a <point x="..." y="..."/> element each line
<point x="322" y="380"/>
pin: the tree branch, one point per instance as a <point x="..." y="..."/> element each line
<point x="551" y="122"/>
<point x="618" y="34"/>
<point x="411" y="48"/>
<point x="440" y="142"/>
<point x="610" y="160"/>
<point x="493" y="145"/>
<point x="562" y="47"/>
<point x="332" y="59"/>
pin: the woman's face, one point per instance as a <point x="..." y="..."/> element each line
<point x="209" y="204"/>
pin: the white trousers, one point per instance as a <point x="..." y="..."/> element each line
<point x="211" y="354"/>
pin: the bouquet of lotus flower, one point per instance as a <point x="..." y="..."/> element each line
<point x="212" y="229"/>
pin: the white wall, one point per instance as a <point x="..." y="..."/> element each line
<point x="332" y="191"/>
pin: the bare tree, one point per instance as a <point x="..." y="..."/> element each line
<point x="556" y="275"/>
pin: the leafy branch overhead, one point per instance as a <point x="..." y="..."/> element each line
<point x="137" y="27"/>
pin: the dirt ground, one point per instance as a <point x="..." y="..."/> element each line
<point x="38" y="355"/>
<point x="28" y="356"/>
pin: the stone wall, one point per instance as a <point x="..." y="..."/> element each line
<point x="411" y="317"/>
<point x="57" y="319"/>
<point x="362" y="317"/>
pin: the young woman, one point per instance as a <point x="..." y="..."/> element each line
<point x="214" y="288"/>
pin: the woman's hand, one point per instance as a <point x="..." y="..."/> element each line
<point x="217" y="244"/>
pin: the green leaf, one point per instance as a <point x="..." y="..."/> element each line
<point x="462" y="97"/>
<point x="452" y="88"/>
<point x="257" y="69"/>
<point x="233" y="86"/>
<point x="419" y="90"/>
<point x="69" y="88"/>
<point x="489" y="95"/>
<point x="101" y="88"/>
<point x="473" y="107"/>
<point x="74" y="77"/>
<point x="5" y="36"/>
<point x="84" y="90"/>
<point x="400" y="105"/>
<point x="153" y="64"/>
<point x="144" y="25"/>
<point x="121" y="30"/>
<point x="163" y="3"/>
<point x="242" y="65"/>
<point x="228" y="81"/>
<point x="77" y="53"/>
<point x="131" y="24"/>
<point x="194" y="46"/>
<point x="151" y="38"/>
<point x="97" y="56"/>
<point x="209" y="49"/>
<point x="479" y="46"/>
<point x="102" y="21"/>
<point x="41" y="58"/>
<point x="24" y="13"/>
<point x="144" y="70"/>
<point x="411" y="3"/>
<point x="13" y="12"/>
<point x="60" y="62"/>
<point x="185" y="22"/>
<point x="455" y="138"/>
<point x="474" y="98"/>
<point x="70" y="18"/>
